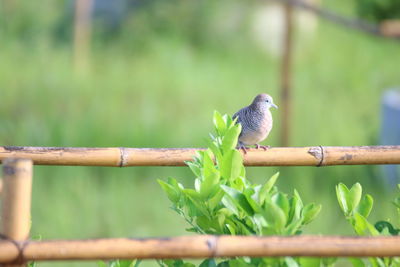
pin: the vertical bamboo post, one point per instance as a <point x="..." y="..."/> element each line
<point x="82" y="33"/>
<point x="286" y="74"/>
<point x="16" y="199"/>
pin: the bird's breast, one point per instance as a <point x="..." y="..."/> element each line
<point x="254" y="135"/>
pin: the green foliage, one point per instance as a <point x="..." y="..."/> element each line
<point x="378" y="10"/>
<point x="357" y="209"/>
<point x="224" y="201"/>
<point x="119" y="263"/>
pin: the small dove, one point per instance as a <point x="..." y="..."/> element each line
<point x="256" y="122"/>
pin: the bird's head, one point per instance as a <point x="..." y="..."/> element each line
<point x="264" y="101"/>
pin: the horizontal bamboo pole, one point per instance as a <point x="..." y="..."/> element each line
<point x="276" y="156"/>
<point x="202" y="246"/>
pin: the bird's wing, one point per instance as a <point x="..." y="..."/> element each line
<point x="241" y="118"/>
<point x="248" y="119"/>
<point x="238" y="115"/>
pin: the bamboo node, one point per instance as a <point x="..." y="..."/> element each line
<point x="19" y="260"/>
<point x="123" y="157"/>
<point x="8" y="170"/>
<point x="318" y="153"/>
<point x="9" y="167"/>
<point x="212" y="243"/>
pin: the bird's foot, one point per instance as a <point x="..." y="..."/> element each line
<point x="243" y="147"/>
<point x="263" y="147"/>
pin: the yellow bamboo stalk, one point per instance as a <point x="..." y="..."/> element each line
<point x="16" y="200"/>
<point x="9" y="252"/>
<point x="205" y="246"/>
<point x="276" y="156"/>
<point x="82" y="33"/>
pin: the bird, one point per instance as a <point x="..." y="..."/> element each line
<point x="256" y="121"/>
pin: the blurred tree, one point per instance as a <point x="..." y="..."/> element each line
<point x="378" y="10"/>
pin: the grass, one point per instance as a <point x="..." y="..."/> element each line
<point x="163" y="95"/>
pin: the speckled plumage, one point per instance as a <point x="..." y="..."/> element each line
<point x="256" y="121"/>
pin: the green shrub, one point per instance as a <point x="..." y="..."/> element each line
<point x="379" y="10"/>
<point x="356" y="210"/>
<point x="224" y="201"/>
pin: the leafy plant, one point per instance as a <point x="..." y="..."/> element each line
<point x="224" y="201"/>
<point x="356" y="210"/>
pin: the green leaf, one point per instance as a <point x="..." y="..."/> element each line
<point x="176" y="263"/>
<point x="231" y="165"/>
<point x="219" y="123"/>
<point x="290" y="262"/>
<point x="376" y="262"/>
<point x="396" y="202"/>
<point x="365" y="206"/>
<point x="341" y="193"/>
<point x="267" y="187"/>
<point x="195" y="199"/>
<point x="310" y="262"/>
<point x="274" y="216"/>
<point x="224" y="264"/>
<point x="212" y="145"/>
<point x="282" y="201"/>
<point x="296" y="206"/>
<point x="310" y="211"/>
<point x="238" y="263"/>
<point x="260" y="222"/>
<point x="361" y="225"/>
<point x="357" y="262"/>
<point x="231" y="228"/>
<point x="239" y="199"/>
<point x="194" y="167"/>
<point x="208" y="164"/>
<point x="197" y="185"/>
<point x="329" y="261"/>
<point x="382" y="225"/>
<point x="209" y="185"/>
<point x="192" y="193"/>
<point x="239" y="183"/>
<point x="172" y="193"/>
<point x="230" y="205"/>
<point x="249" y="193"/>
<point x="354" y="196"/>
<point x="99" y="263"/>
<point x="293" y="227"/>
<point x="216" y="199"/>
<point x="348" y="199"/>
<point x="203" y="222"/>
<point x="208" y="263"/>
<point x="229" y="141"/>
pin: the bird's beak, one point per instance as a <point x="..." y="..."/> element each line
<point x="275" y="106"/>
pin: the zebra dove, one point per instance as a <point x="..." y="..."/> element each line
<point x="256" y="121"/>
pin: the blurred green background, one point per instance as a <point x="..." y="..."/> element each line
<point x="154" y="80"/>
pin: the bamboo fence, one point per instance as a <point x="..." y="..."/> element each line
<point x="15" y="249"/>
<point x="276" y="156"/>
<point x="201" y="246"/>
